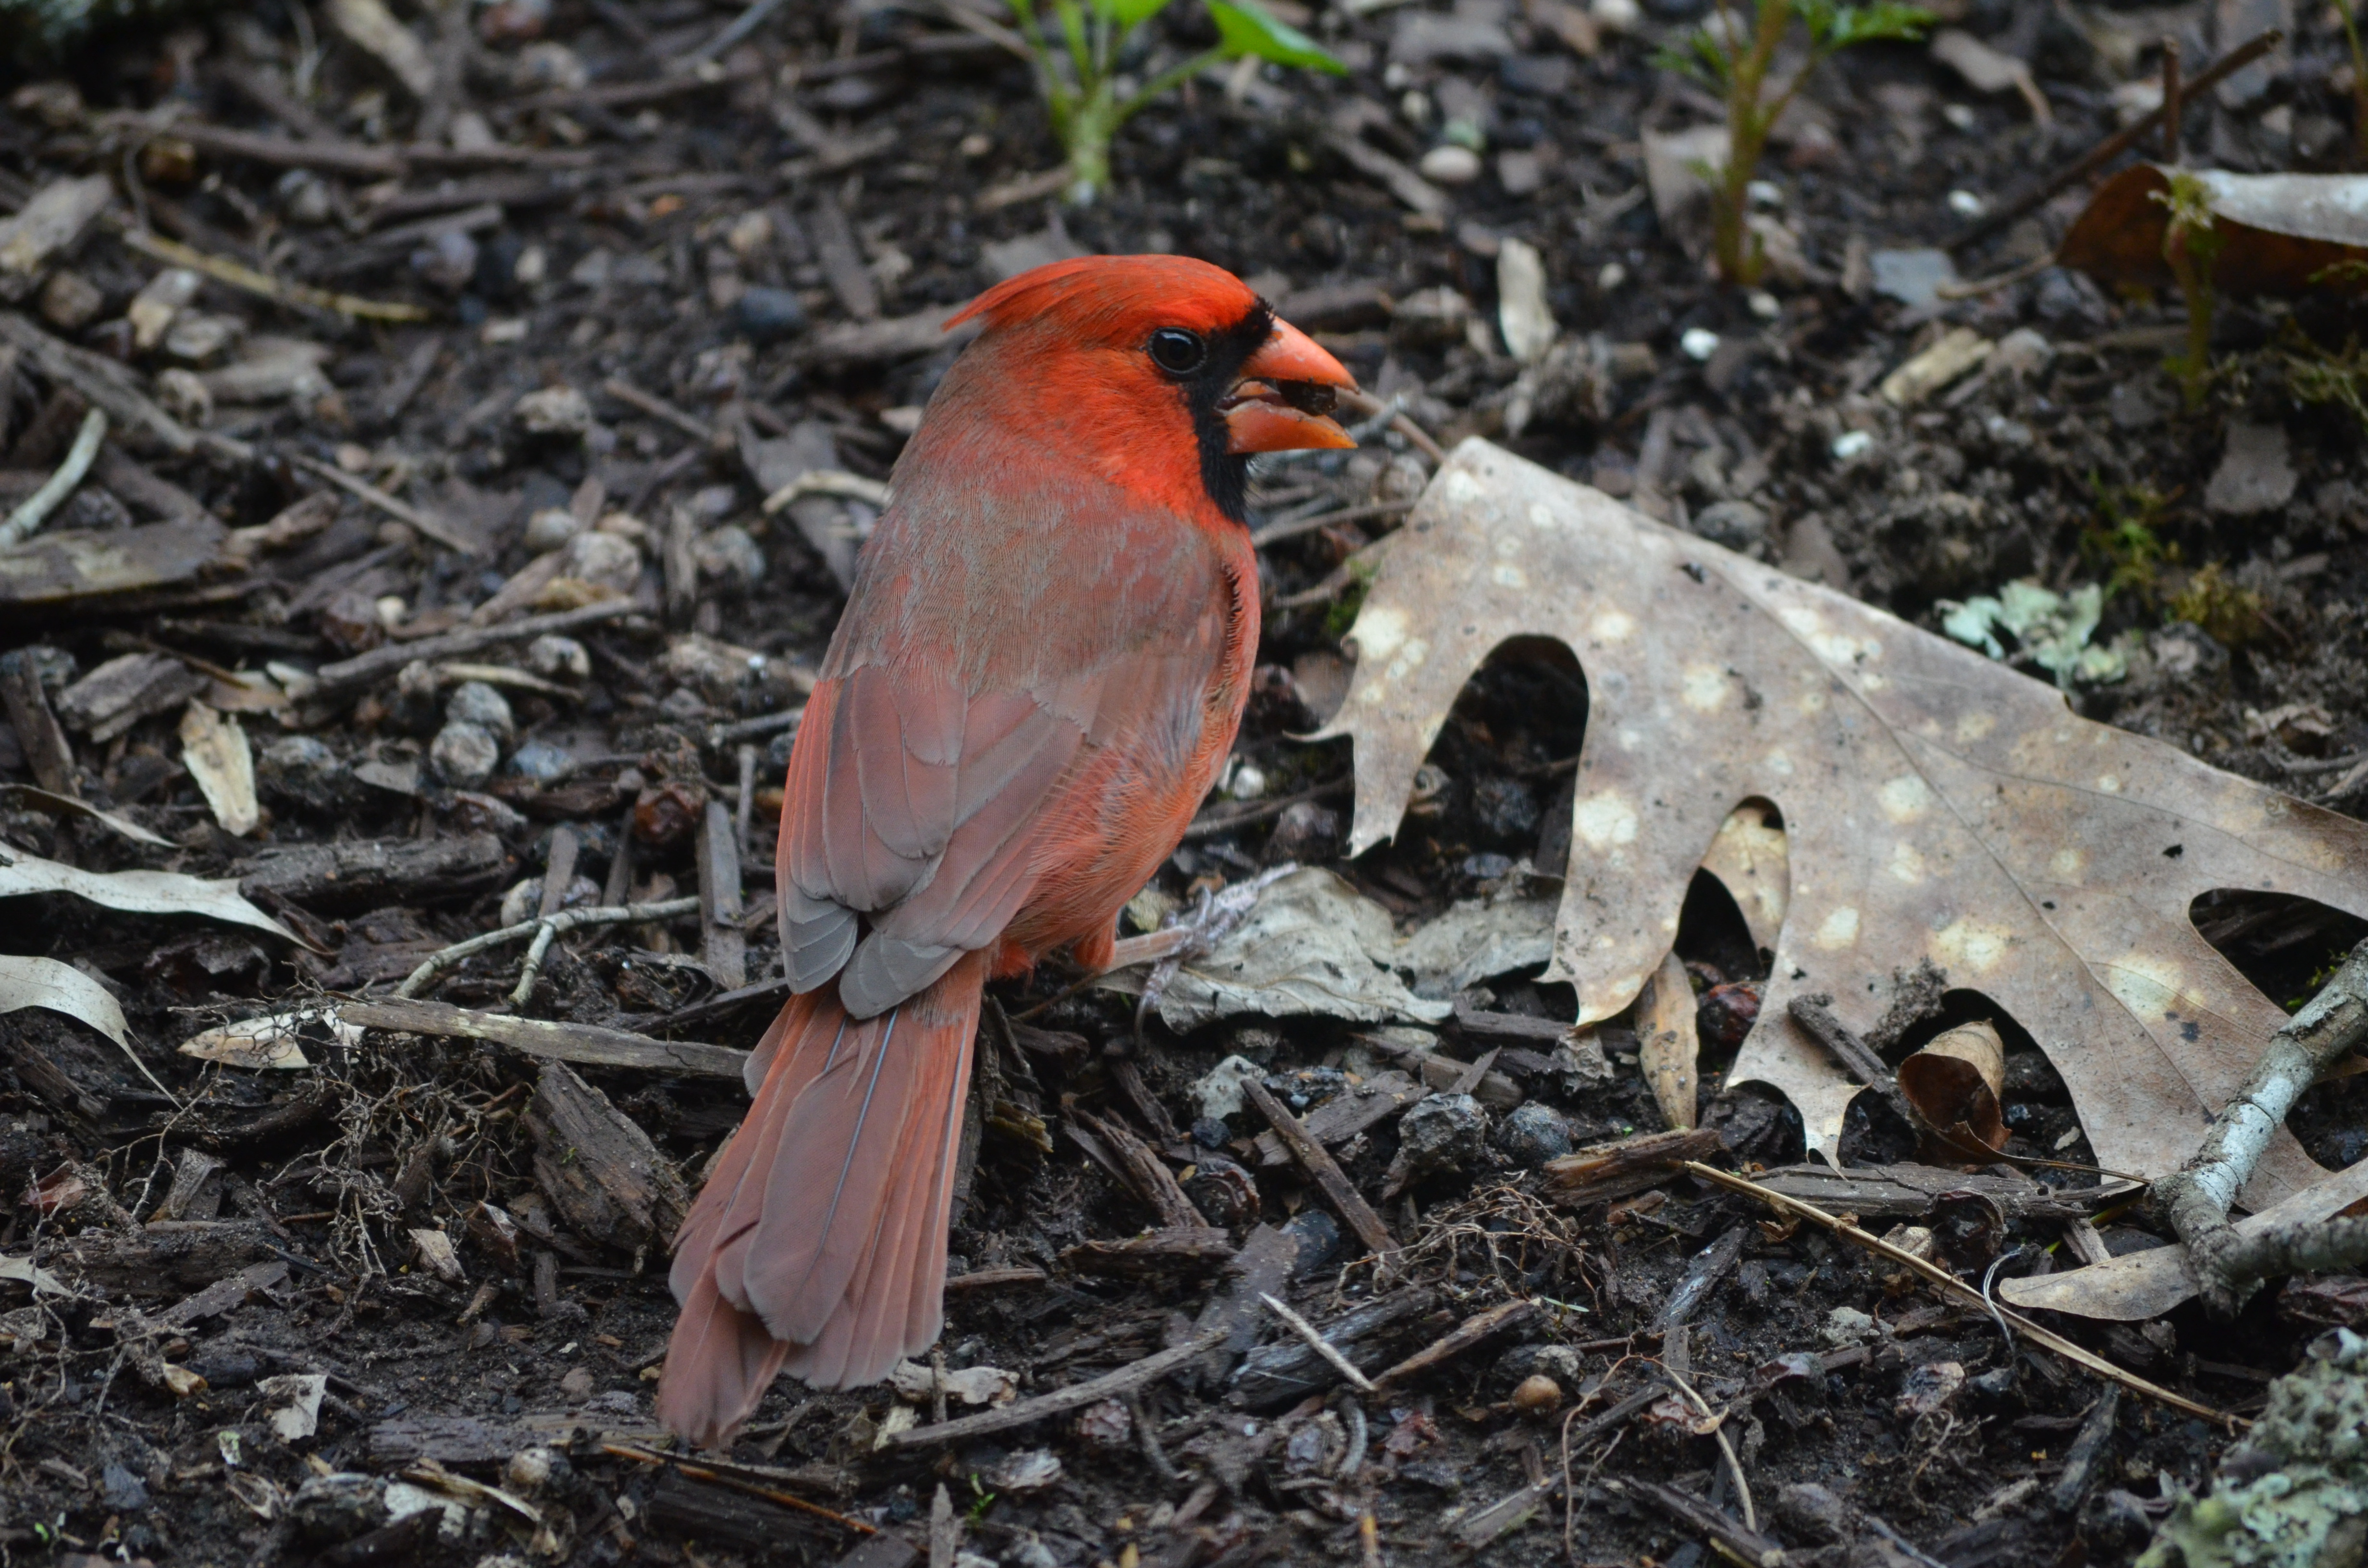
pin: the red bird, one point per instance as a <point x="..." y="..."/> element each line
<point x="1041" y="669"/>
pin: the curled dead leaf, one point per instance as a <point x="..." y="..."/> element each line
<point x="1667" y="1047"/>
<point x="2281" y="234"/>
<point x="1956" y="1086"/>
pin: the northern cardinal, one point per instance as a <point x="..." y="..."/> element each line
<point x="1041" y="669"/>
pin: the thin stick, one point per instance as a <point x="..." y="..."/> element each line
<point x="380" y="663"/>
<point x="1726" y="1448"/>
<point x="1321" y="1346"/>
<point x="2112" y="146"/>
<point x="37" y="508"/>
<point x="827" y="481"/>
<point x="266" y="286"/>
<point x="633" y="397"/>
<point x="770" y="1493"/>
<point x="2172" y="108"/>
<point x="434" y="528"/>
<point x="1275" y="533"/>
<point x="1949" y="1283"/>
<point x="567" y="920"/>
<point x="1365" y="403"/>
<point x="1318" y="1162"/>
<point x="1093" y="1391"/>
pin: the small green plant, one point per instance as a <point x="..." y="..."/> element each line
<point x="1736" y="57"/>
<point x="2215" y="601"/>
<point x="1078" y="58"/>
<point x="2314" y="375"/>
<point x="2191" y="246"/>
<point x="2350" y="11"/>
<point x="2123" y="542"/>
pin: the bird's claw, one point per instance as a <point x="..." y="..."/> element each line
<point x="1213" y="918"/>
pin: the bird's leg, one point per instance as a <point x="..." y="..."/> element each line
<point x="2196" y="1198"/>
<point x="1213" y="918"/>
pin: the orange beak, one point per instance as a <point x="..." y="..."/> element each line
<point x="1284" y="397"/>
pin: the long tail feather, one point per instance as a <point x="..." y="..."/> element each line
<point x="818" y="1243"/>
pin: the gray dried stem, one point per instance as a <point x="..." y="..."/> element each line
<point x="2197" y="1197"/>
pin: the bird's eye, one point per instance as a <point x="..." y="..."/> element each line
<point x="1177" y="351"/>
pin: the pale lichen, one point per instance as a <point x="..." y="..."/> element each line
<point x="2296" y="1494"/>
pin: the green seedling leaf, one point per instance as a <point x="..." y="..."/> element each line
<point x="1840" y="26"/>
<point x="1130" y="13"/>
<point x="1696" y="54"/>
<point x="1245" y="28"/>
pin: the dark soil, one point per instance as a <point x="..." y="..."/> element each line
<point x="709" y="248"/>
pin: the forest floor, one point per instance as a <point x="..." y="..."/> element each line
<point x="648" y="297"/>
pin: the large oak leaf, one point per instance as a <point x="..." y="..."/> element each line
<point x="1938" y="807"/>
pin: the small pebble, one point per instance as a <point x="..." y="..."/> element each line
<point x="729" y="558"/>
<point x="1539" y="1394"/>
<point x="554" y="411"/>
<point x="542" y="762"/>
<point x="1699" y="343"/>
<point x="1445" y="1133"/>
<point x="1965" y="204"/>
<point x="554" y="657"/>
<point x="301" y="771"/>
<point x="551" y="528"/>
<point x="1851" y="444"/>
<point x="1449" y="164"/>
<point x="768" y="315"/>
<point x="1533" y="1133"/>
<point x="475" y="702"/>
<point x="464" y="756"/>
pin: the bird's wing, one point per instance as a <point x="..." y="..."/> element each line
<point x="920" y="786"/>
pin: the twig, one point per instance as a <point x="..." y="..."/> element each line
<point x="746" y="22"/>
<point x="1456" y="1341"/>
<point x="112" y="387"/>
<point x="770" y="1493"/>
<point x="1953" y="1286"/>
<point x="1318" y="1162"/>
<point x="1275" y="533"/>
<point x="633" y="397"/>
<point x="1321" y="1346"/>
<point x="567" y="920"/>
<point x="827" y="481"/>
<point x="2198" y="1195"/>
<point x="1219" y="819"/>
<point x="34" y="508"/>
<point x="1147" y="1438"/>
<point x="1972" y="288"/>
<point x="1812" y="1015"/>
<point x="2112" y="146"/>
<point x="434" y="528"/>
<point x="1361" y="402"/>
<point x="1093" y="1391"/>
<point x="380" y="663"/>
<point x="1739" y="1542"/>
<point x="238" y="276"/>
<point x="1725" y="1448"/>
<point x="584" y="1044"/>
<point x="721" y="735"/>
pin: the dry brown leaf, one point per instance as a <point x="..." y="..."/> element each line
<point x="1667" y="1045"/>
<point x="1955" y="1084"/>
<point x="1938" y="807"/>
<point x="2283" y="234"/>
<point x="215" y="752"/>
<point x="1749" y="856"/>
